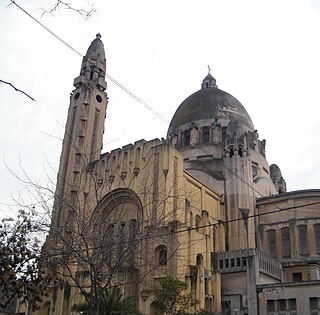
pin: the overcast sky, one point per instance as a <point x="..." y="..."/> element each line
<point x="264" y="53"/>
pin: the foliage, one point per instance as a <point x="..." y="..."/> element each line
<point x="171" y="299"/>
<point x="111" y="303"/>
<point x="19" y="265"/>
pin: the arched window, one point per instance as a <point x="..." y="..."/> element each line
<point x="199" y="260"/>
<point x="303" y="240"/>
<point x="197" y="222"/>
<point x="161" y="255"/>
<point x="285" y="242"/>
<point x="272" y="243"/>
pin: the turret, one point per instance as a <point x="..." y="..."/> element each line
<point x="84" y="130"/>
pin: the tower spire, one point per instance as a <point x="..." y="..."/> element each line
<point x="93" y="67"/>
<point x="82" y="142"/>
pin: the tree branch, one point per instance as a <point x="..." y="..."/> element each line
<point x="17" y="90"/>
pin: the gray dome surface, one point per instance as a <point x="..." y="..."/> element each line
<point x="211" y="103"/>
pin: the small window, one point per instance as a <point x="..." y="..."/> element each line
<point x="99" y="98"/>
<point x="292" y="304"/>
<point x="296" y="276"/>
<point x="205" y="135"/>
<point x="314" y="304"/>
<point x="77" y="96"/>
<point x="281" y="305"/>
<point x="271" y="306"/>
<point x="161" y="255"/>
<point x="199" y="260"/>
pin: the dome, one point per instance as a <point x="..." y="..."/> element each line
<point x="211" y="103"/>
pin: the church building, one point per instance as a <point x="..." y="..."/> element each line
<point x="202" y="205"/>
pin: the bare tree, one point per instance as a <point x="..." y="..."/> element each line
<point x="19" y="265"/>
<point x="105" y="240"/>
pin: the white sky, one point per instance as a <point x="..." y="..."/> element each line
<point x="264" y="53"/>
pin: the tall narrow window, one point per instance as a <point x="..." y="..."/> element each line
<point x="197" y="223"/>
<point x="186" y="210"/>
<point x="109" y="244"/>
<point x="317" y="237"/>
<point x="199" y="260"/>
<point x="186" y="137"/>
<point x="205" y="135"/>
<point x="132" y="241"/>
<point x="213" y="238"/>
<point x="162" y="255"/>
<point x="285" y="242"/>
<point x="121" y="241"/>
<point x="272" y="243"/>
<point x="303" y="240"/>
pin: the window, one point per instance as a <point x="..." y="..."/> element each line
<point x="121" y="240"/>
<point x="186" y="210"/>
<point x="186" y="137"/>
<point x="271" y="306"/>
<point x="109" y="241"/>
<point x="272" y="243"/>
<point x="303" y="239"/>
<point x="317" y="237"/>
<point x="161" y="255"/>
<point x="281" y="305"/>
<point x="199" y="260"/>
<point x="213" y="238"/>
<point x="292" y="303"/>
<point x="197" y="223"/>
<point x="132" y="240"/>
<point x="286" y="245"/>
<point x="205" y="135"/>
<point x="314" y="304"/>
<point x="296" y="276"/>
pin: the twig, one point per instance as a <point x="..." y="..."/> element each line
<point x="17" y="90"/>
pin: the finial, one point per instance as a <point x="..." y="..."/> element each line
<point x="98" y="36"/>
<point x="209" y="69"/>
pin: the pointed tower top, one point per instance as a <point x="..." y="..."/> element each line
<point x="96" y="49"/>
<point x="209" y="81"/>
<point x="93" y="67"/>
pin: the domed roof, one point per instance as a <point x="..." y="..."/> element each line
<point x="211" y="103"/>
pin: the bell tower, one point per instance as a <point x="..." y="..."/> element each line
<point x="82" y="142"/>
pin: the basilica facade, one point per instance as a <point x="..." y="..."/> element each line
<point x="202" y="205"/>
